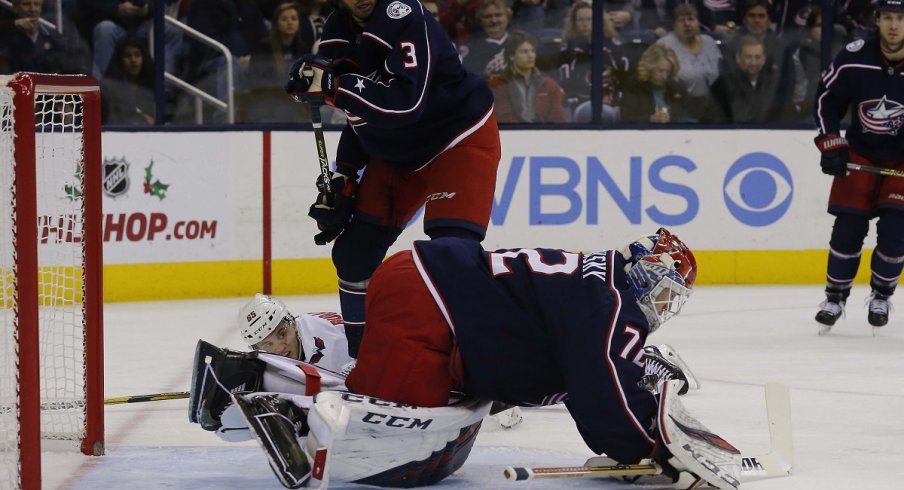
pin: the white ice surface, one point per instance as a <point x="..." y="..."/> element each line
<point x="848" y="412"/>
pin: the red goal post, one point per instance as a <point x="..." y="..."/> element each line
<point x="51" y="293"/>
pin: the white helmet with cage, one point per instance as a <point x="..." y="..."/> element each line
<point x="260" y="317"/>
<point x="661" y="271"/>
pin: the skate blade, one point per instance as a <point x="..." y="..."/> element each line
<point x="823" y="329"/>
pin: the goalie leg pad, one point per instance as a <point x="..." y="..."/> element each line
<point x="217" y="373"/>
<point x="276" y="424"/>
<point x="695" y="448"/>
<point x="377" y="442"/>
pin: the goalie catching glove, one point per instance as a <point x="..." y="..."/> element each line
<point x="312" y="78"/>
<point x="332" y="210"/>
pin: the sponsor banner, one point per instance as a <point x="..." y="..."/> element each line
<point x="174" y="197"/>
<point x="718" y="190"/>
<point x="183" y="197"/>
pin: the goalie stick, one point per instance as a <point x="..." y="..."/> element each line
<point x="888" y="172"/>
<point x="778" y="462"/>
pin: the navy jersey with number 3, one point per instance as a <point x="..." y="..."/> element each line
<point x="407" y="98"/>
<point x="541" y="326"/>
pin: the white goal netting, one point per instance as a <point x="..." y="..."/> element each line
<point x="59" y="190"/>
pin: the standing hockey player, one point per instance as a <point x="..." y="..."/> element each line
<point x="267" y="325"/>
<point x="866" y="77"/>
<point x="421" y="124"/>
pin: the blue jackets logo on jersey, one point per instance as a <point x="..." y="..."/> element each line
<point x="397" y="10"/>
<point x="855" y="46"/>
<point x="881" y="116"/>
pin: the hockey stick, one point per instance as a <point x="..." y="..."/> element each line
<point x="778" y="462"/>
<point x="888" y="172"/>
<point x="117" y="400"/>
<point x="317" y="124"/>
<point x="175" y="395"/>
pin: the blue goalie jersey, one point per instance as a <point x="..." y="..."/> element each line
<point x="543" y="326"/>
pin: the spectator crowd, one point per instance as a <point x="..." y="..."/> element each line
<point x="664" y="61"/>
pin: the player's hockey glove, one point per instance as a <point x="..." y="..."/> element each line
<point x="835" y="154"/>
<point x="312" y="78"/>
<point x="332" y="210"/>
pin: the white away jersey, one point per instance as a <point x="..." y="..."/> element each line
<point x="322" y="339"/>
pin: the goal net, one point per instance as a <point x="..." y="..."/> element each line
<point x="51" y="346"/>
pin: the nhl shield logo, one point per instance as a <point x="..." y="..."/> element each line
<point x="116" y="176"/>
<point x="397" y="10"/>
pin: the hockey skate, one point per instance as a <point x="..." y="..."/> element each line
<point x="276" y="424"/>
<point x="217" y="373"/>
<point x="879" y="307"/>
<point x="830" y="311"/>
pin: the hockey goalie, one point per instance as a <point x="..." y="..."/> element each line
<point x="452" y="327"/>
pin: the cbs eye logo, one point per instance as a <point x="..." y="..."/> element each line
<point x="758" y="189"/>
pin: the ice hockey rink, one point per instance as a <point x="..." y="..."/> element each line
<point x="846" y="407"/>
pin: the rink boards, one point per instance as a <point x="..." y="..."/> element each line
<point x="185" y="211"/>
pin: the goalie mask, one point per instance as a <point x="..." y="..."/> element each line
<point x="661" y="272"/>
<point x="262" y="316"/>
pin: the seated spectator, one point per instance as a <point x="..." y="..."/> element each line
<point x="698" y="56"/>
<point x="265" y="99"/>
<point x="459" y="19"/>
<point x="622" y="14"/>
<point x="756" y="22"/>
<point x="720" y="18"/>
<point x="33" y="46"/>
<point x="748" y="91"/>
<point x="575" y="63"/>
<point x="482" y="53"/>
<point x="523" y="93"/>
<point x="528" y="15"/>
<point x="111" y="21"/>
<point x="127" y="90"/>
<point x="657" y="95"/>
<point x="757" y="19"/>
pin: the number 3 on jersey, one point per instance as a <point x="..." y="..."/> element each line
<point x="410" y="56"/>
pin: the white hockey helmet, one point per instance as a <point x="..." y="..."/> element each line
<point x="260" y="317"/>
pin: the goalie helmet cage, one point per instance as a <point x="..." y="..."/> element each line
<point x="51" y="353"/>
